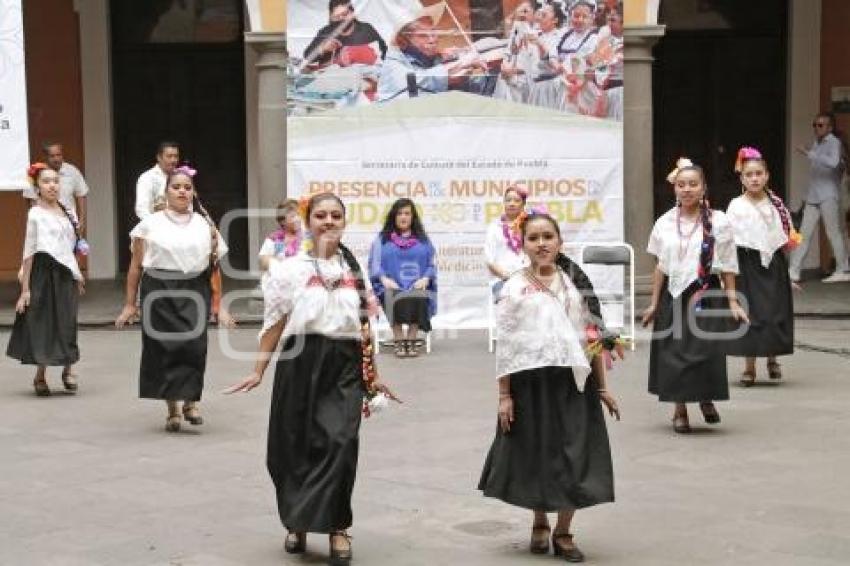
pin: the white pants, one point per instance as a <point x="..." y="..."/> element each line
<point x="831" y="222"/>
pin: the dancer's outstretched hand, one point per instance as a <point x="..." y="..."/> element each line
<point x="246" y="385"/>
<point x="382" y="387"/>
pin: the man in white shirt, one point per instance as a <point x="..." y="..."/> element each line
<point x="823" y="199"/>
<point x="72" y="186"/>
<point x="151" y="183"/>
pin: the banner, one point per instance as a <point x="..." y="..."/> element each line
<point x="430" y="108"/>
<point x="14" y="137"/>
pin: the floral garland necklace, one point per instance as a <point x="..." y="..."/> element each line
<point x="288" y="248"/>
<point x="683" y="240"/>
<point x="403" y="242"/>
<point x="512" y="233"/>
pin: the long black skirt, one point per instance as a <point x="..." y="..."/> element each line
<point x="408" y="307"/>
<point x="685" y="367"/>
<point x="46" y="333"/>
<point x="556" y="455"/>
<point x="314" y="431"/>
<point x="175" y="310"/>
<point x="770" y="306"/>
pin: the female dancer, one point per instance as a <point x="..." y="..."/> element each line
<point x="318" y="302"/>
<point x="174" y="253"/>
<point x="763" y="232"/>
<point x="551" y="451"/>
<point x="503" y="248"/>
<point x="546" y="88"/>
<point x="45" y="329"/>
<point x="404" y="275"/>
<point x="693" y="245"/>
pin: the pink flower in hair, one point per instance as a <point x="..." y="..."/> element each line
<point x="187" y="170"/>
<point x="538" y="209"/>
<point x="744" y="154"/>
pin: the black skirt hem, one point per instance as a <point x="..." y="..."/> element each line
<point x="556" y="455"/>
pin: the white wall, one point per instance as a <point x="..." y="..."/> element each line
<point x="98" y="136"/>
<point x="804" y="38"/>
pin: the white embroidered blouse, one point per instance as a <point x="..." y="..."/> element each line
<point x="497" y="251"/>
<point x="539" y="329"/>
<point x="52" y="233"/>
<point x="757" y="225"/>
<point x="172" y="245"/>
<point x="318" y="295"/>
<point x="678" y="255"/>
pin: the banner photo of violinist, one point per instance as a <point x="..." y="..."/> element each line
<point x="563" y="55"/>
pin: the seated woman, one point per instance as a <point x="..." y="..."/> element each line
<point x="404" y="275"/>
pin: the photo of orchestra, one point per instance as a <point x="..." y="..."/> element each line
<point x="565" y="55"/>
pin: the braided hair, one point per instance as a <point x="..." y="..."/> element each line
<point x="706" y="254"/>
<point x="577" y="276"/>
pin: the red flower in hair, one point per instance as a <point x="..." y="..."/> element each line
<point x="34" y="170"/>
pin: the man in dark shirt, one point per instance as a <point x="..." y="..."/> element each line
<point x="344" y="30"/>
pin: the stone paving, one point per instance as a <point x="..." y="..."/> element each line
<point x="93" y="479"/>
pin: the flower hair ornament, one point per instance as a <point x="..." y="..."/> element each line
<point x="744" y="154"/>
<point x="33" y="171"/>
<point x="681" y="163"/>
<point x="186" y="169"/>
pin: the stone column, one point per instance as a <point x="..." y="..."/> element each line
<point x="270" y="48"/>
<point x="637" y="130"/>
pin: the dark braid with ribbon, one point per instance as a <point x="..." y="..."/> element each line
<point x="370" y="371"/>
<point x="706" y="252"/>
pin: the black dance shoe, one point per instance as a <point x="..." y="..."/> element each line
<point x="563" y="546"/>
<point x="295" y="543"/>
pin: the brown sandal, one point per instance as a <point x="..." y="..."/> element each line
<point x="295" y="543"/>
<point x="412" y="349"/>
<point x="539" y="543"/>
<point x="69" y="380"/>
<point x="568" y="551"/>
<point x="681" y="424"/>
<point x="748" y="378"/>
<point x="191" y="414"/>
<point x="41" y="387"/>
<point x="709" y="412"/>
<point x="400" y="349"/>
<point x="340" y="555"/>
<point x="773" y="370"/>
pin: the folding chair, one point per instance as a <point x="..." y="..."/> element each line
<point x="615" y="253"/>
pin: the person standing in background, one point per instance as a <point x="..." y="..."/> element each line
<point x="823" y="198"/>
<point x="152" y="183"/>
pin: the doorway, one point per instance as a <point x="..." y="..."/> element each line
<point x="179" y="74"/>
<point x="719" y="82"/>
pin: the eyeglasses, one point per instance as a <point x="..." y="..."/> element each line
<point x="819" y="124"/>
